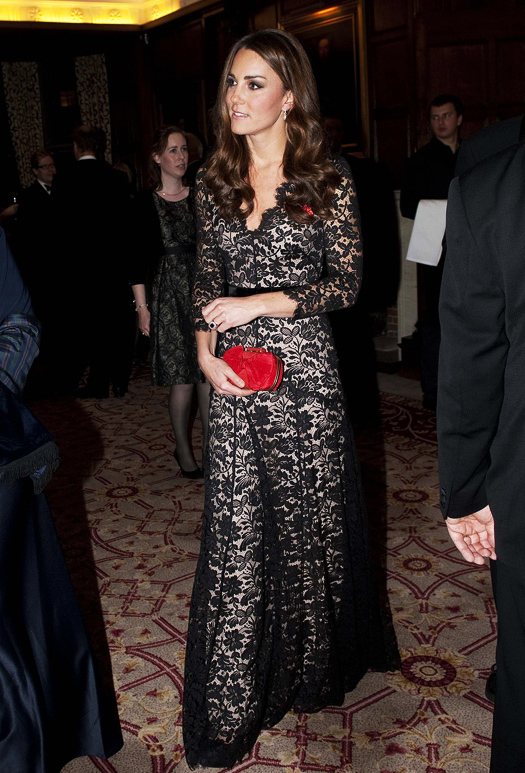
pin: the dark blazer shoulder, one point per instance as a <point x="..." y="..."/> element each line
<point x="429" y="153"/>
<point x="481" y="178"/>
<point x="489" y="141"/>
<point x="497" y="136"/>
<point x="35" y="193"/>
<point x="422" y="152"/>
<point x="89" y="169"/>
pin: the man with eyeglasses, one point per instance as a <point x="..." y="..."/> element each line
<point x="428" y="175"/>
<point x="35" y="215"/>
<point x="35" y="210"/>
<point x="35" y="201"/>
<point x="43" y="167"/>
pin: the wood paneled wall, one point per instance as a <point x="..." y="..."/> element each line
<point x="55" y="47"/>
<point x="421" y="48"/>
<point x="185" y="57"/>
<point x="410" y="51"/>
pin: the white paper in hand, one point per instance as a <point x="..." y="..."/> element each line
<point x="427" y="235"/>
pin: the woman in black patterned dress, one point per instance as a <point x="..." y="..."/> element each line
<point x="284" y="613"/>
<point x="164" y="262"/>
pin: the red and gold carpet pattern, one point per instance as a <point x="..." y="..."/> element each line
<point x="130" y="527"/>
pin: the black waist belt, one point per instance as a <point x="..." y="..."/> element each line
<point x="244" y="292"/>
<point x="179" y="249"/>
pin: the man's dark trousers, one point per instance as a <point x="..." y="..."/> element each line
<point x="508" y="732"/>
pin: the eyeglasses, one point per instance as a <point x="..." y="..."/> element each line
<point x="46" y="166"/>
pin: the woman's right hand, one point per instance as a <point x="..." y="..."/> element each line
<point x="144" y="320"/>
<point x="223" y="379"/>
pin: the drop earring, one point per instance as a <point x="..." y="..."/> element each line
<point x="285" y="114"/>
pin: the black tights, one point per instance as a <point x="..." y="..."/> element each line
<point x="179" y="408"/>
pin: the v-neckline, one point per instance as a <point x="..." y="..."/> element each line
<point x="266" y="213"/>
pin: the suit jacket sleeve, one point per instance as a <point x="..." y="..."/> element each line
<point x="472" y="363"/>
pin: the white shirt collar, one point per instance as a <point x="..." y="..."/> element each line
<point x="85" y="158"/>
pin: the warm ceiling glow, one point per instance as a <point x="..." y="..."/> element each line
<point x="326" y="11"/>
<point x="88" y="12"/>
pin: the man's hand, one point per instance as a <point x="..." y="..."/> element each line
<point x="473" y="535"/>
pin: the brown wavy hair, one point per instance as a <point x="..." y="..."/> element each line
<point x="158" y="146"/>
<point x="306" y="162"/>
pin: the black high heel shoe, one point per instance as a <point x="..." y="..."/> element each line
<point x="195" y="474"/>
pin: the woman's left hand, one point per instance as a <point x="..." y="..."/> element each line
<point x="231" y="312"/>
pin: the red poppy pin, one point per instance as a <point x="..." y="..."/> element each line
<point x="308" y="209"/>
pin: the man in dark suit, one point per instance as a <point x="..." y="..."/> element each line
<point x="476" y="148"/>
<point x="36" y="232"/>
<point x="36" y="253"/>
<point x="44" y="170"/>
<point x="91" y="203"/>
<point x="481" y="410"/>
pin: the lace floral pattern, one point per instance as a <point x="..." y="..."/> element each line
<point x="174" y="351"/>
<point x="284" y="612"/>
<point x="281" y="253"/>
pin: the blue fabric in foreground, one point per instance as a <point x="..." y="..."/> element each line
<point x="52" y="708"/>
<point x="26" y="446"/>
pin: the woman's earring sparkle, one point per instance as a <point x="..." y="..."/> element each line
<point x="285" y="114"/>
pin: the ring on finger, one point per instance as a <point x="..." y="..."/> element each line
<point x="212" y="325"/>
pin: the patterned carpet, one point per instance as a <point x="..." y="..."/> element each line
<point x="130" y="525"/>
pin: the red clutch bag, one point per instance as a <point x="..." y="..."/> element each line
<point x="259" y="369"/>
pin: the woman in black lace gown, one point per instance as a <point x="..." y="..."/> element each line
<point x="164" y="249"/>
<point x="284" y="612"/>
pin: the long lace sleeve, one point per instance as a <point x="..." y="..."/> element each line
<point x="344" y="256"/>
<point x="209" y="275"/>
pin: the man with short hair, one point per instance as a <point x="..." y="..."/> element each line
<point x="35" y="201"/>
<point x="428" y="176"/>
<point x="35" y="230"/>
<point x="431" y="169"/>
<point x="36" y="253"/>
<point x="91" y="203"/>
<point x="87" y="142"/>
<point x="446" y="116"/>
<point x="44" y="169"/>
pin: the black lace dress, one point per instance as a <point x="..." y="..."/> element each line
<point x="284" y="613"/>
<point x="174" y="352"/>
